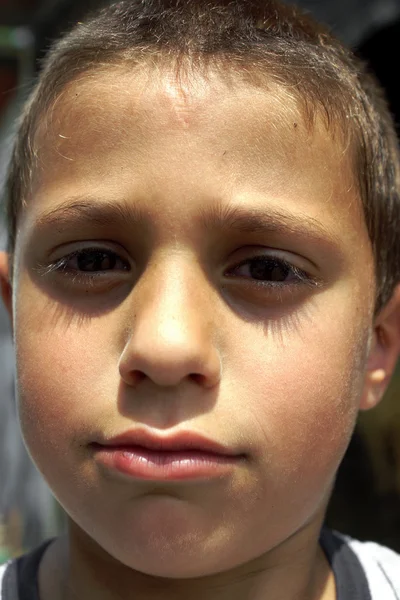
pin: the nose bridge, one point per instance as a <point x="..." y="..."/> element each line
<point x="171" y="332"/>
<point x="174" y="297"/>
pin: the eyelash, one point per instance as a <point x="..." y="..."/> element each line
<point x="298" y="275"/>
<point x="84" y="277"/>
<point x="79" y="276"/>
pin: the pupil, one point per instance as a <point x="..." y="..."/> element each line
<point x="95" y="261"/>
<point x="268" y="270"/>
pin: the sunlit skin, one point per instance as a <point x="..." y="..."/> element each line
<point x="182" y="187"/>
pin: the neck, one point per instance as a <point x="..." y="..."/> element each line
<point x="75" y="568"/>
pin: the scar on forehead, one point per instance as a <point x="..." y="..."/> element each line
<point x="180" y="99"/>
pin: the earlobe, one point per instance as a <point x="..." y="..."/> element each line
<point x="5" y="282"/>
<point x="384" y="352"/>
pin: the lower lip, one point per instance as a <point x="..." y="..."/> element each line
<point x="140" y="463"/>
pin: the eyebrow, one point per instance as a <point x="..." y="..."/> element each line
<point x="75" y="210"/>
<point x="219" y="217"/>
<point x="268" y="220"/>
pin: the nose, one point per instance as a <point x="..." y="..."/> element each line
<point x="171" y="330"/>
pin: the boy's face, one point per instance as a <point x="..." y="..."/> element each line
<point x="182" y="326"/>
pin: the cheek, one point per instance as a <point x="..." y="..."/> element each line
<point x="65" y="375"/>
<point x="302" y="386"/>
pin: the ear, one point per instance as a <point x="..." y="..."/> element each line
<point x="384" y="352"/>
<point x="5" y="282"/>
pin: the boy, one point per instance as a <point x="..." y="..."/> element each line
<point x="202" y="272"/>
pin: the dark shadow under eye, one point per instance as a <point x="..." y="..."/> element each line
<point x="98" y="260"/>
<point x="268" y="269"/>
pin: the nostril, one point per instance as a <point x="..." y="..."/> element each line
<point x="137" y="376"/>
<point x="198" y="378"/>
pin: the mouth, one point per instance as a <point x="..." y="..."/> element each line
<point x="141" y="455"/>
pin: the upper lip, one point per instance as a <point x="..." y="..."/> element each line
<point x="183" y="440"/>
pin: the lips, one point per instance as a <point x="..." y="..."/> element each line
<point x="142" y="455"/>
<point x="181" y="441"/>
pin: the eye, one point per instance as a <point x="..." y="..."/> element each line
<point x="269" y="270"/>
<point x="264" y="269"/>
<point x="95" y="260"/>
<point x="89" y="262"/>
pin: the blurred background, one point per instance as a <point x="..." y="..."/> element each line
<point x="366" y="500"/>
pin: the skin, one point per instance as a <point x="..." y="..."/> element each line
<point x="180" y="336"/>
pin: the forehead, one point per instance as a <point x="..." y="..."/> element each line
<point x="120" y="108"/>
<point x="145" y="133"/>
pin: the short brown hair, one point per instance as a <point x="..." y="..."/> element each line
<point x="260" y="37"/>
